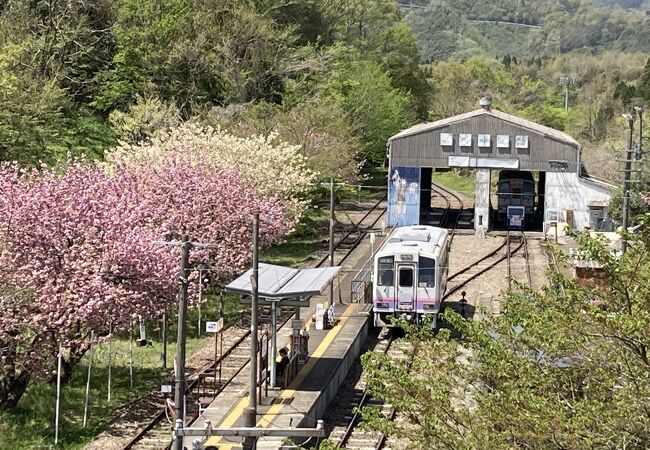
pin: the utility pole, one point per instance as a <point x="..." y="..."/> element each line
<point x="163" y="355"/>
<point x="179" y="395"/>
<point x="183" y="277"/>
<point x="626" y="183"/>
<point x="331" y="249"/>
<point x="251" y="411"/>
<point x="639" y="112"/>
<point x="566" y="81"/>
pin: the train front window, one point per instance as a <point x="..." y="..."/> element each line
<point x="385" y="271"/>
<point x="426" y="273"/>
<point x="529" y="193"/>
<point x="406" y="277"/>
<point x="504" y="190"/>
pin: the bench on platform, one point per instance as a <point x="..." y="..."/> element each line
<point x="207" y="389"/>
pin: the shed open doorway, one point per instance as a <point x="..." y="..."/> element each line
<point x="445" y="198"/>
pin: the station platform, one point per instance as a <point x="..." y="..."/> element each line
<point x="331" y="354"/>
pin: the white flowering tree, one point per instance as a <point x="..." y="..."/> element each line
<point x="277" y="170"/>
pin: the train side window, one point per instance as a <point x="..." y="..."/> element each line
<point x="385" y="271"/>
<point x="427" y="272"/>
<point x="406" y="277"/>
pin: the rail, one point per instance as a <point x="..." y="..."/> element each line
<point x="347" y="434"/>
<point x="195" y="376"/>
<point x="489" y="266"/>
<point x="361" y="234"/>
<point x="461" y="206"/>
<point x="524" y="244"/>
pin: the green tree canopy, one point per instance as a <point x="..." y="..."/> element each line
<point x="565" y="367"/>
<point x="375" y="108"/>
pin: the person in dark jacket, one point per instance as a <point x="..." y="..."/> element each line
<point x="283" y="363"/>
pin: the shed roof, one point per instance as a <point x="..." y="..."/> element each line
<point x="547" y="131"/>
<point x="284" y="282"/>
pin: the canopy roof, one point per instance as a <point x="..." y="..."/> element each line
<point x="284" y="282"/>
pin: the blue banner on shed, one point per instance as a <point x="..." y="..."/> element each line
<point x="404" y="196"/>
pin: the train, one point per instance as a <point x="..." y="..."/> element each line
<point x="515" y="195"/>
<point x="410" y="275"/>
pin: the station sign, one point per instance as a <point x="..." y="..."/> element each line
<point x="320" y="320"/>
<point x="214" y="327"/>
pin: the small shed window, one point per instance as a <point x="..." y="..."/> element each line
<point x="598" y="218"/>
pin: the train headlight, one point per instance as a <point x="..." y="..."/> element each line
<point x="429" y="306"/>
<point x="381" y="305"/>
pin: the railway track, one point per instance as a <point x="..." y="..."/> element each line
<point x="348" y="433"/>
<point x="448" y="220"/>
<point x="453" y="214"/>
<point x="522" y="242"/>
<point x="156" y="434"/>
<point x="355" y="235"/>
<point x="502" y="253"/>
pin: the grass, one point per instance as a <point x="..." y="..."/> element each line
<point x="456" y="181"/>
<point x="297" y="247"/>
<point x="31" y="424"/>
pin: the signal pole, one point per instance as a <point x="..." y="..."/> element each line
<point x="179" y="395"/>
<point x="331" y="236"/>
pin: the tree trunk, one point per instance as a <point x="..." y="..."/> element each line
<point x="68" y="364"/>
<point x="12" y="389"/>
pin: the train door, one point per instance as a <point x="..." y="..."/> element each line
<point x="405" y="286"/>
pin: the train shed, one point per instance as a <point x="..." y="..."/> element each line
<point x="487" y="141"/>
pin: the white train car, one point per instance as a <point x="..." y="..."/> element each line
<point x="410" y="274"/>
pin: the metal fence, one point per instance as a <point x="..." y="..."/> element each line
<point x="362" y="281"/>
<point x="362" y="286"/>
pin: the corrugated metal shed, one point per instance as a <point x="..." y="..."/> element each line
<point x="285" y="282"/>
<point x="547" y="149"/>
<point x="551" y="132"/>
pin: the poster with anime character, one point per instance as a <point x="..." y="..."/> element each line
<point x="404" y="196"/>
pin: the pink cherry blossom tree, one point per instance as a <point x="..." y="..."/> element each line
<point x="69" y="246"/>
<point x="77" y="248"/>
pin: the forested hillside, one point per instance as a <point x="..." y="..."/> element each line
<point x="525" y="28"/>
<point x="334" y="76"/>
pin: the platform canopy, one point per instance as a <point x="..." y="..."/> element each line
<point x="284" y="282"/>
